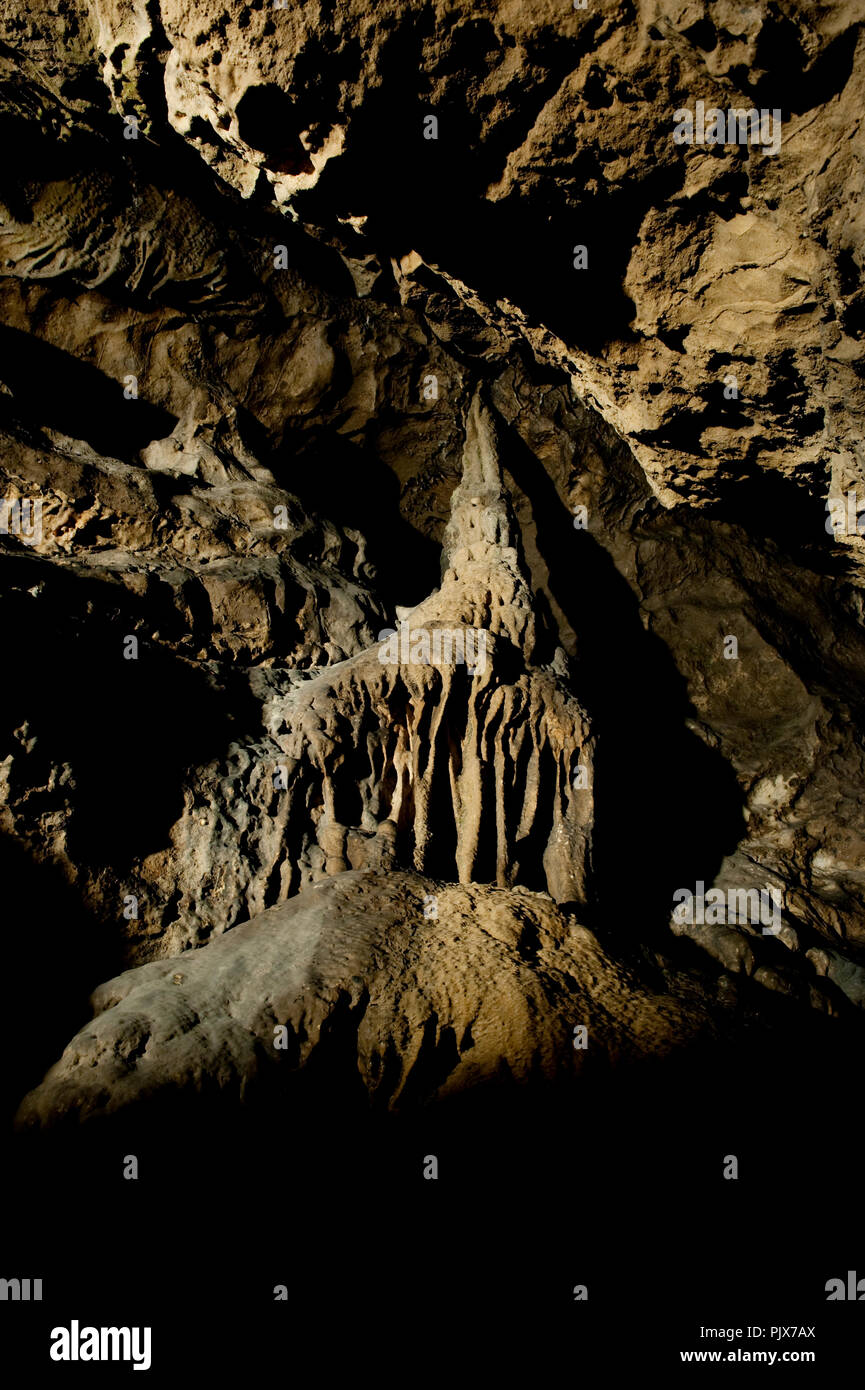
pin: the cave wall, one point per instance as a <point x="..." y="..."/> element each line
<point x="268" y="337"/>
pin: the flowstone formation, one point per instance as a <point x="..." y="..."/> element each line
<point x="352" y="980"/>
<point x="475" y="766"/>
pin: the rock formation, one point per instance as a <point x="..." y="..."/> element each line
<point x="426" y="477"/>
<point x="461" y="761"/>
<point x="374" y="993"/>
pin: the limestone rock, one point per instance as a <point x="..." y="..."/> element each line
<point x="463" y="756"/>
<point x="417" y="988"/>
<point x="296" y="348"/>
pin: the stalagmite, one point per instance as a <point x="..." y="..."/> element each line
<point x="471" y="772"/>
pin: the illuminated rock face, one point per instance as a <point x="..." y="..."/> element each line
<point x="359" y="980"/>
<point x="463" y="769"/>
<point x="317" y="327"/>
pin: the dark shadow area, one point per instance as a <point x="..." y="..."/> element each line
<point x="55" y="954"/>
<point x="667" y="808"/>
<point x="54" y="389"/>
<point x="127" y="729"/>
<point x="786" y="79"/>
<point x="352" y="487"/>
<point x="266" y="121"/>
<point x="615" y="1183"/>
<point x="776" y="509"/>
<point x="504" y="249"/>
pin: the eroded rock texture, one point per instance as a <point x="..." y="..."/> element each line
<point x="460" y="755"/>
<point x="373" y="993"/>
<point x="295" y="351"/>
